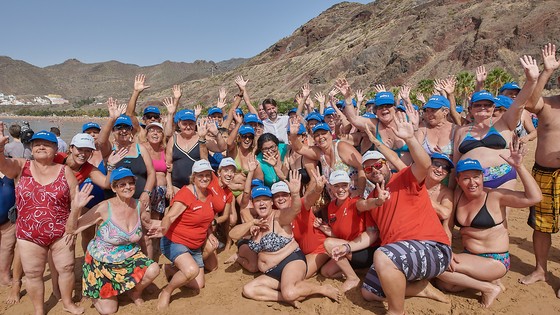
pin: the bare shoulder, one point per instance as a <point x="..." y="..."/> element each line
<point x="552" y="101"/>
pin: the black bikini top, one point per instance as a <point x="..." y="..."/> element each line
<point x="482" y="220"/>
<point x="492" y="140"/>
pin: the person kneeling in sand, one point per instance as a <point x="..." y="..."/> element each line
<point x="279" y="256"/>
<point x="481" y="214"/>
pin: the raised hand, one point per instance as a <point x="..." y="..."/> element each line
<point x="320" y="97"/>
<point x="238" y="118"/>
<point x="530" y="67"/>
<point x="438" y="85"/>
<point x="295" y="182"/>
<point x="241" y="83"/>
<point x="211" y="127"/>
<point x="222" y="93"/>
<point x="359" y="96"/>
<point x="448" y="85"/>
<point x="404" y="92"/>
<point x="113" y="107"/>
<point x="321" y="180"/>
<point x="116" y="156"/>
<point x="413" y="115"/>
<point x="549" y="57"/>
<point x="176" y="91"/>
<point x="271" y="159"/>
<point x="197" y="110"/>
<point x="82" y="196"/>
<point x="516" y="152"/>
<point x="344" y="87"/>
<point x="299" y="98"/>
<point x="305" y="91"/>
<point x="294" y="125"/>
<point x="333" y="92"/>
<point x="405" y="129"/>
<point x="382" y="194"/>
<point x="379" y="88"/>
<point x="481" y="74"/>
<point x="139" y="83"/>
<point x="201" y="128"/>
<point x="252" y="163"/>
<point x="421" y="97"/>
<point x="169" y="104"/>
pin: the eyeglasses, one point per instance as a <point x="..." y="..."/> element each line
<point x="445" y="166"/>
<point x="270" y="149"/>
<point x="123" y="185"/>
<point x="151" y="116"/>
<point x="480" y="105"/>
<point x="377" y="165"/>
<point x="123" y="127"/>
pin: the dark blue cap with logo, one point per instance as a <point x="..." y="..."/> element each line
<point x="90" y="125"/>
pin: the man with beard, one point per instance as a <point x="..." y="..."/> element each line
<point x="275" y="124"/>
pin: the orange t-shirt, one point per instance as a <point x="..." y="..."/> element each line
<point x="345" y="220"/>
<point x="408" y="214"/>
<point x="223" y="194"/>
<point x="190" y="228"/>
<point x="309" y="238"/>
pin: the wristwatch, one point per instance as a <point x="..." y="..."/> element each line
<point x="148" y="192"/>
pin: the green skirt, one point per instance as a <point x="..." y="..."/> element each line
<point x="103" y="280"/>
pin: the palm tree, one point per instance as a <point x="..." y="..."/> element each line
<point x="465" y="85"/>
<point x="426" y="87"/>
<point x="496" y="78"/>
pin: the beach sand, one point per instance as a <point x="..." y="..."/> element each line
<point x="222" y="293"/>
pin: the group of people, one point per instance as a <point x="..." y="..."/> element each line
<point x="326" y="189"/>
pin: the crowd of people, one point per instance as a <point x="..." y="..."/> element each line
<point x="327" y="188"/>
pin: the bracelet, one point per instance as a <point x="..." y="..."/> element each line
<point x="348" y="247"/>
<point x="148" y="192"/>
<point x="214" y="222"/>
<point x="202" y="141"/>
<point x="110" y="167"/>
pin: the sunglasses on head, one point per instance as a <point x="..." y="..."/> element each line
<point x="377" y="165"/>
<point x="443" y="165"/>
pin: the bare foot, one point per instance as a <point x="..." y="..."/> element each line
<point x="489" y="297"/>
<point x="331" y="292"/>
<point x="163" y="300"/>
<point x="535" y="276"/>
<point x="350" y="284"/>
<point x="14" y="295"/>
<point x="500" y="284"/>
<point x="73" y="309"/>
<point x="433" y="293"/>
<point x="295" y="304"/>
<point x="231" y="259"/>
<point x="136" y="297"/>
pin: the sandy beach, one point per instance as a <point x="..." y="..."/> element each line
<point x="223" y="288"/>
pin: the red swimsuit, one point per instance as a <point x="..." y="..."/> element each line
<point x="42" y="210"/>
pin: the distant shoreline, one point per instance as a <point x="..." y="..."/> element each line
<point x="54" y="118"/>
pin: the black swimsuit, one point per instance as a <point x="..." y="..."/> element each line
<point x="482" y="220"/>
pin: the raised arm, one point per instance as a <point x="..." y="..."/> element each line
<point x="359" y="122"/>
<point x="93" y="216"/>
<point x="115" y="111"/>
<point x="389" y="154"/>
<point x="421" y="159"/>
<point x="449" y="88"/>
<point x="535" y="102"/>
<point x="512" y="116"/>
<point x="171" y="105"/>
<point x="229" y="119"/>
<point x="9" y="167"/>
<point x="139" y="86"/>
<point x="299" y="146"/>
<point x="372" y="203"/>
<point x="242" y="85"/>
<point x="288" y="215"/>
<point x="481" y="75"/>
<point x="320" y="98"/>
<point x="315" y="188"/>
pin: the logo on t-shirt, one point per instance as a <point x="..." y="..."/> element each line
<point x="196" y="208"/>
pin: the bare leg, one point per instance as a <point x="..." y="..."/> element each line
<point x="541" y="247"/>
<point x="7" y="244"/>
<point x="17" y="269"/>
<point x="54" y="277"/>
<point x="352" y="279"/>
<point x="106" y="306"/>
<point x="87" y="234"/>
<point x="151" y="273"/>
<point x="489" y="290"/>
<point x="314" y="262"/>
<point x="34" y="267"/>
<point x="188" y="270"/>
<point x="392" y="280"/>
<point x="293" y="286"/>
<point x="63" y="259"/>
<point x="209" y="256"/>
<point x="246" y="258"/>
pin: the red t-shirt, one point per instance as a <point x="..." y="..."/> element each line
<point x="82" y="174"/>
<point x="191" y="226"/>
<point x="345" y="220"/>
<point x="309" y="238"/>
<point x="223" y="194"/>
<point x="408" y="214"/>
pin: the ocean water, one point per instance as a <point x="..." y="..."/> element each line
<point x="68" y="126"/>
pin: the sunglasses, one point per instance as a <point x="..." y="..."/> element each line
<point x="123" y="127"/>
<point x="123" y="185"/>
<point x="247" y="137"/>
<point x="480" y="105"/>
<point x="151" y="116"/>
<point x="377" y="165"/>
<point x="443" y="165"/>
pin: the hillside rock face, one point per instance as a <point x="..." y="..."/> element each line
<point x="393" y="42"/>
<point x="389" y="42"/>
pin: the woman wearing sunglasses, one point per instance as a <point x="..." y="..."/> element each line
<point x="485" y="138"/>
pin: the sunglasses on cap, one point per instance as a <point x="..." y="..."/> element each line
<point x="377" y="165"/>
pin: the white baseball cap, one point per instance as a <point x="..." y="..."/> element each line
<point x="201" y="166"/>
<point x="83" y="140"/>
<point x="227" y="162"/>
<point x="372" y="155"/>
<point x="156" y="124"/>
<point x="280" y="187"/>
<point x="338" y="177"/>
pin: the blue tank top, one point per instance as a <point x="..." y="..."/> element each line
<point x="138" y="167"/>
<point x="97" y="192"/>
<point x="7" y="197"/>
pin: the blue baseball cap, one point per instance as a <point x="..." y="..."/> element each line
<point x="301" y="129"/>
<point x="371" y="101"/>
<point x="151" y="109"/>
<point x="90" y="125"/>
<point x="503" y="101"/>
<point x="177" y="114"/>
<point x="293" y="110"/>
<point x="459" y="108"/>
<point x="443" y="157"/>
<point x="321" y="126"/>
<point x="245" y="129"/>
<point x="259" y="191"/>
<point x="437" y="102"/>
<point x="401" y="108"/>
<point x="250" y="118"/>
<point x="369" y="115"/>
<point x="45" y="135"/>
<point x="121" y="173"/>
<point x="215" y="110"/>
<point x="314" y="116"/>
<point x="257" y="182"/>
<point x="329" y="111"/>
<point x="186" y="115"/>
<point x="483" y="96"/>
<point x="123" y="120"/>
<point x="239" y="111"/>
<point x="384" y="98"/>
<point x="469" y="165"/>
<point x="342" y="103"/>
<point x="510" y="86"/>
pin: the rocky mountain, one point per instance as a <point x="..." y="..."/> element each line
<point x="75" y="80"/>
<point x="393" y="42"/>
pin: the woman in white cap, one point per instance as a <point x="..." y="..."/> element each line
<point x="481" y="215"/>
<point x="183" y="231"/>
<point x="114" y="262"/>
<point x="279" y="256"/>
<point x="45" y="219"/>
<point x="228" y="218"/>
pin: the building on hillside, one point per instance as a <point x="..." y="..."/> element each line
<point x="56" y="99"/>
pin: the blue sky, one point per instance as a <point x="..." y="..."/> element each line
<point x="148" y="32"/>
